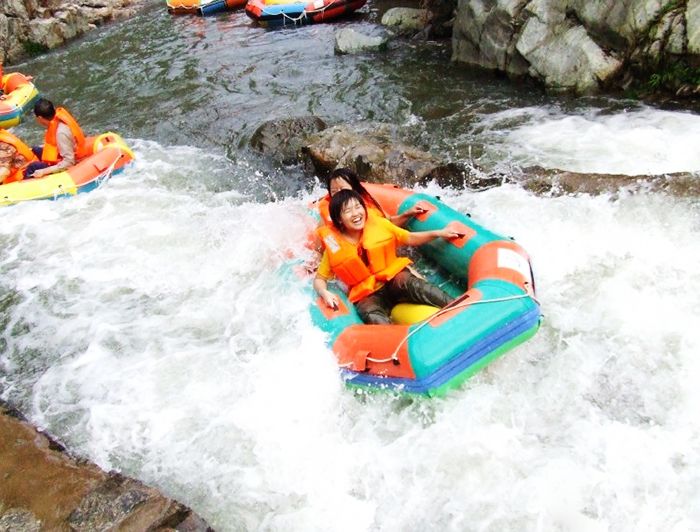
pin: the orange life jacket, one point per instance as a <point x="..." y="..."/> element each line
<point x="50" y="152"/>
<point x="24" y="150"/>
<point x="380" y="246"/>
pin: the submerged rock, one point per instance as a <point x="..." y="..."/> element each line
<point x="350" y="41"/>
<point x="555" y="182"/>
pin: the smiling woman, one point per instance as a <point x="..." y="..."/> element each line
<point x="360" y="250"/>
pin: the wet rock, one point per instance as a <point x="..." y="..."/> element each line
<point x="350" y="41"/>
<point x="579" y="46"/>
<point x="17" y="519"/>
<point x="283" y="139"/>
<point x="31" y="26"/>
<point x="376" y="156"/>
<point x="406" y="20"/>
<point x="45" y="488"/>
<point x="555" y="182"/>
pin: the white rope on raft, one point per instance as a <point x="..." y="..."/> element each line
<point x="304" y="13"/>
<point x="395" y="355"/>
<point x="102" y="176"/>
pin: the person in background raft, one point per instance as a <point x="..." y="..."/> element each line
<point x="346" y="179"/>
<point x="360" y="249"/>
<point x="64" y="141"/>
<point x="15" y="155"/>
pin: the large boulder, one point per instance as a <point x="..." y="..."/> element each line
<point x="373" y="152"/>
<point x="282" y="139"/>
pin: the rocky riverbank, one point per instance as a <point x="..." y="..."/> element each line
<point x="45" y="488"/>
<point x="582" y="46"/>
<point x="30" y="27"/>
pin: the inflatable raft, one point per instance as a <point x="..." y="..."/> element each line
<point x="19" y="95"/>
<point x="110" y="156"/>
<point x="429" y="351"/>
<point x="202" y="7"/>
<point x="281" y="12"/>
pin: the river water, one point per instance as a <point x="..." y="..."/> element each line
<point x="147" y="327"/>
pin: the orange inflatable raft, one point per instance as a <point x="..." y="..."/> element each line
<point x="202" y="7"/>
<point x="110" y="155"/>
<point x="18" y="95"/>
<point x="428" y="350"/>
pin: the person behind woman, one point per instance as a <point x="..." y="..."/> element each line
<point x="64" y="141"/>
<point x="346" y="179"/>
<point x="360" y="249"/>
<point x="15" y="155"/>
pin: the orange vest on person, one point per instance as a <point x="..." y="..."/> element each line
<point x="50" y="152"/>
<point x="380" y="246"/>
<point x="24" y="150"/>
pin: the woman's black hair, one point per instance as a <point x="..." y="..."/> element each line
<point x="339" y="200"/>
<point x="354" y="182"/>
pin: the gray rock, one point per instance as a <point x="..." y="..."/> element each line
<point x="350" y="41"/>
<point x="283" y="139"/>
<point x="376" y="156"/>
<point x="692" y="17"/>
<point x="406" y="20"/>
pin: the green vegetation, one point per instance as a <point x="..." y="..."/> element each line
<point x="673" y="76"/>
<point x="34" y="48"/>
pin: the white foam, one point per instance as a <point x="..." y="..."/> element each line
<point x="637" y="142"/>
<point x="160" y="340"/>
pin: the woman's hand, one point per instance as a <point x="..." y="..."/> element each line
<point x="331" y="299"/>
<point x="449" y="234"/>
<point x="415" y="210"/>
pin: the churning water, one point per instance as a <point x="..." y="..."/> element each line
<point x="147" y="326"/>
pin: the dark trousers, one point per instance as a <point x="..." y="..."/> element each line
<point x="404" y="288"/>
<point x="36" y="165"/>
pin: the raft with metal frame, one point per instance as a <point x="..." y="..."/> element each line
<point x="429" y="350"/>
<point x="110" y="156"/>
<point x="293" y="12"/>
<point x="19" y="95"/>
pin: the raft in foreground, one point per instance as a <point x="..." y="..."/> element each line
<point x="202" y="7"/>
<point x="495" y="309"/>
<point x="283" y="12"/>
<point x="19" y="96"/>
<point x="110" y="156"/>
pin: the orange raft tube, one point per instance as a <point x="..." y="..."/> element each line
<point x="110" y="155"/>
<point x="202" y="7"/>
<point x="431" y="352"/>
<point x="282" y="12"/>
<point x="18" y="95"/>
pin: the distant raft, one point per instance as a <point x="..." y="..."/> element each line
<point x="202" y="7"/>
<point x="110" y="155"/>
<point x="282" y="12"/>
<point x="19" y="96"/>
<point x="428" y="350"/>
